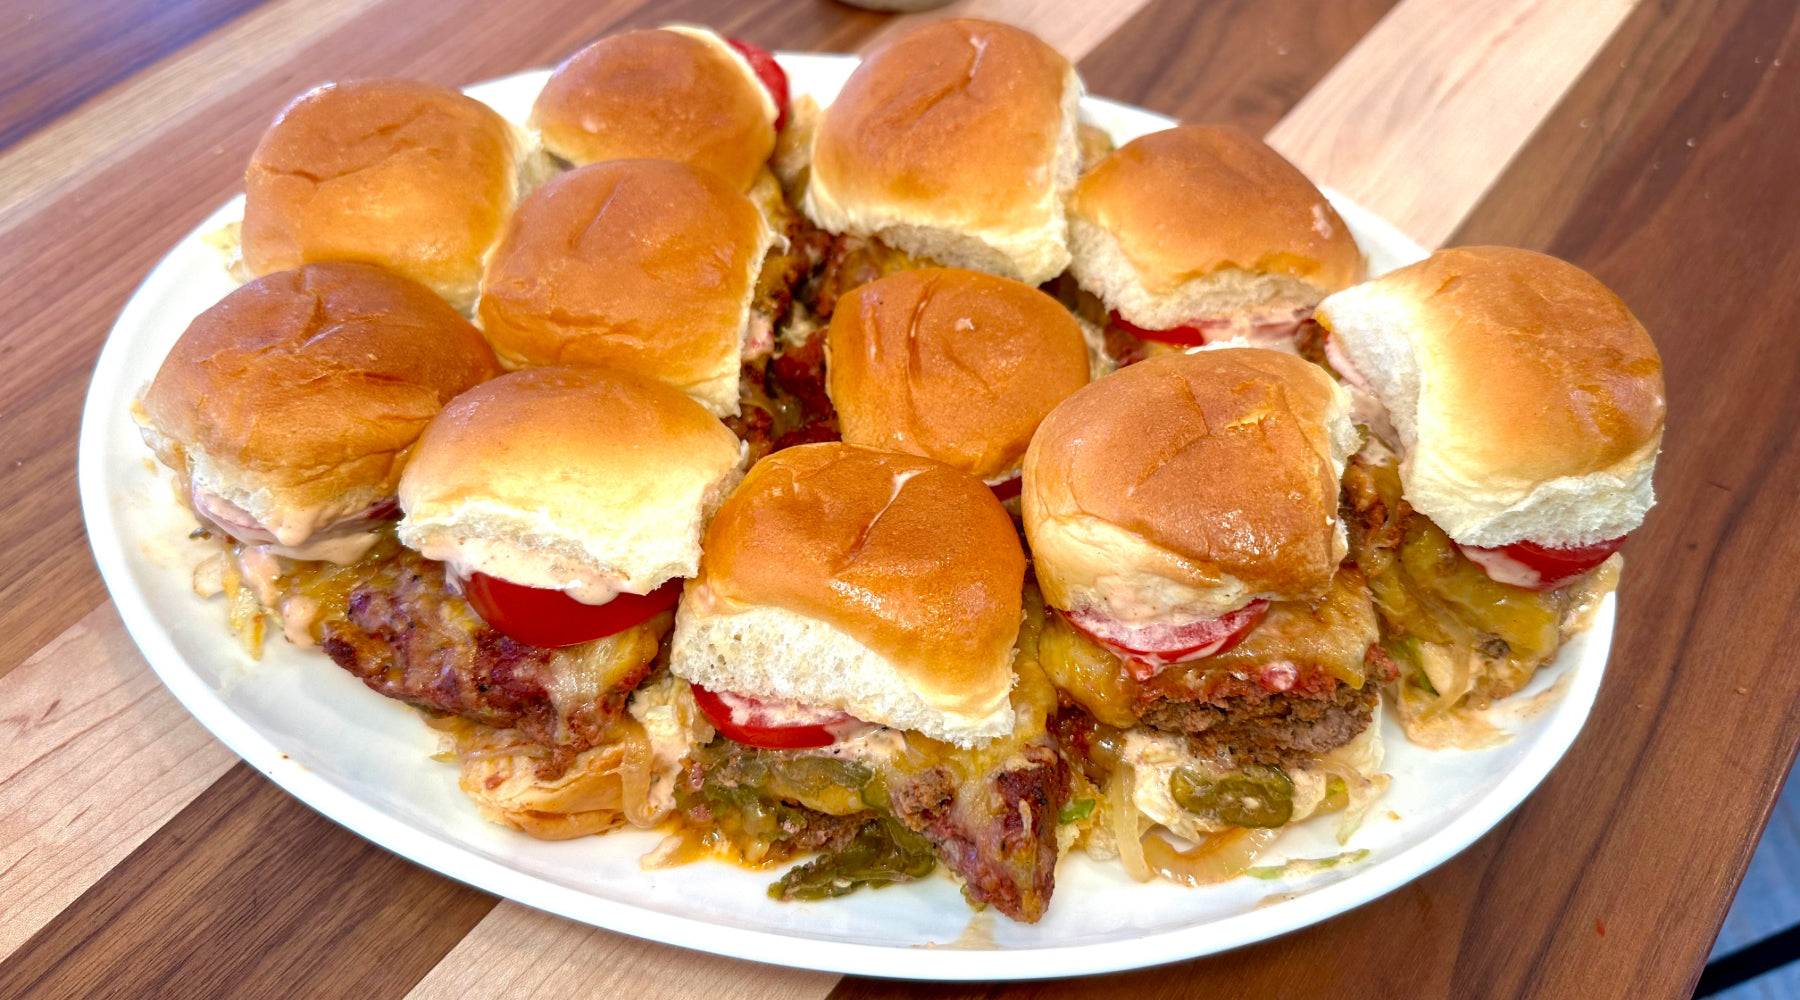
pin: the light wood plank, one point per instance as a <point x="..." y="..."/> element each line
<point x="95" y="756"/>
<point x="518" y="952"/>
<point x="112" y="126"/>
<point x="1425" y="113"/>
<point x="1072" y="27"/>
<point x="247" y="893"/>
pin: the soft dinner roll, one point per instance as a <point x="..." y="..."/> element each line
<point x="1527" y="398"/>
<point x="644" y="266"/>
<point x="585" y="481"/>
<point x="882" y="585"/>
<point x="1188" y="485"/>
<point x="412" y="176"/>
<point x="954" y="142"/>
<point x="1204" y="223"/>
<point x="953" y="365"/>
<point x="291" y="406"/>
<point x="674" y="93"/>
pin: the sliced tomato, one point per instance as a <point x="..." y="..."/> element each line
<point x="1540" y="567"/>
<point x="771" y="725"/>
<point x="1148" y="650"/>
<point x="773" y="77"/>
<point x="1180" y="336"/>
<point x="1006" y="490"/>
<point x="551" y="618"/>
<point x="1263" y="330"/>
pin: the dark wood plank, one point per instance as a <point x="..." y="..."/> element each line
<point x="53" y="56"/>
<point x="1245" y="62"/>
<point x="247" y="893"/>
<point x="1668" y="172"/>
<point x="56" y="303"/>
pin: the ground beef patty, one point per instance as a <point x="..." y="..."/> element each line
<point x="1279" y="729"/>
<point x="998" y="834"/>
<point x="408" y="635"/>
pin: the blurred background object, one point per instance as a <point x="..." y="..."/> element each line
<point x="899" y="5"/>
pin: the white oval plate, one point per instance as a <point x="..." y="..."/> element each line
<point x="363" y="760"/>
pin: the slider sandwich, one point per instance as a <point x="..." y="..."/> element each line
<point x="550" y="518"/>
<point x="954" y="144"/>
<point x="655" y="268"/>
<point x="686" y="94"/>
<point x="1211" y="653"/>
<point x="953" y="365"/>
<point x="411" y="176"/>
<point x="1518" y="411"/>
<point x="854" y="636"/>
<point x="288" y="411"/>
<point x="673" y="93"/>
<point x="1200" y="234"/>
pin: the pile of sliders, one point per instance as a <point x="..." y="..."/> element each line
<point x="913" y="482"/>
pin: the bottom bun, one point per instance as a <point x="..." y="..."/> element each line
<point x="769" y="652"/>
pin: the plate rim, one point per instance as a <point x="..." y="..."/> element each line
<point x="449" y="858"/>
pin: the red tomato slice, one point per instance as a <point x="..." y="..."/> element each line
<point x="1181" y="336"/>
<point x="1539" y="567"/>
<point x="1147" y="651"/>
<point x="770" y="73"/>
<point x="1004" y="491"/>
<point x="550" y="618"/>
<point x="771" y="725"/>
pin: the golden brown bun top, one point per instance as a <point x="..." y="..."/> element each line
<point x="1533" y="369"/>
<point x="908" y="556"/>
<point x="658" y="94"/>
<point x="1221" y="457"/>
<point x="411" y="176"/>
<point x="1191" y="200"/>
<point x="953" y="365"/>
<point x="315" y="382"/>
<point x="595" y="471"/>
<point x="643" y="266"/>
<point x="963" y="115"/>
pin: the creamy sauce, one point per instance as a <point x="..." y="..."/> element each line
<point x="464" y="557"/>
<point x="1502" y="568"/>
<point x="309" y="535"/>
<point x="876" y="745"/>
<point x="673" y="723"/>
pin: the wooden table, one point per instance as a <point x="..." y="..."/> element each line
<point x="1657" y="144"/>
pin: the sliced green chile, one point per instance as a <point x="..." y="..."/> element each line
<point x="1257" y="796"/>
<point x="883" y="852"/>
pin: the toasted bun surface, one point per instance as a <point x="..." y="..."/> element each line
<point x="1187" y="485"/>
<point x="411" y="176"/>
<point x="884" y="585"/>
<point x="954" y="142"/>
<point x="664" y="94"/>
<point x="1528" y="399"/>
<point x="644" y="266"/>
<point x="953" y="365"/>
<point x="299" y="396"/>
<point x="582" y="480"/>
<point x="1205" y="222"/>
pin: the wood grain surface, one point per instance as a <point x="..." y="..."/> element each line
<point x="1653" y="143"/>
<point x="96" y="756"/>
<point x="61" y="54"/>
